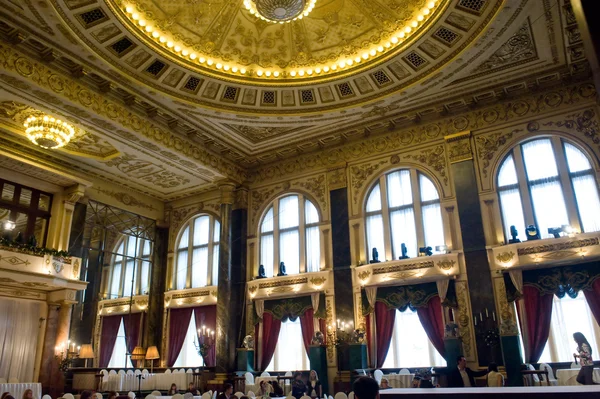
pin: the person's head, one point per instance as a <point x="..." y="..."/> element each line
<point x="461" y="362"/>
<point x="297" y="376"/>
<point x="9" y="396"/>
<point x="263" y="384"/>
<point x="28" y="394"/>
<point x="313" y="375"/>
<point x="173" y="387"/>
<point x="112" y="395"/>
<point x="84" y="395"/>
<point x="4" y="395"/>
<point x="580" y="339"/>
<point x="228" y="388"/>
<point x="493" y="367"/>
<point x="191" y="385"/>
<point x="384" y="383"/>
<point x="365" y="388"/>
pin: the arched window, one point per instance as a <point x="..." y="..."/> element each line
<point x="403" y="207"/>
<point x="197" y="258"/>
<point x="549" y="183"/>
<point x="130" y="267"/>
<point x="289" y="233"/>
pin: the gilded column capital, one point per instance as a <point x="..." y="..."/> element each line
<point x="74" y="193"/>
<point x="459" y="147"/>
<point x="241" y="198"/>
<point x="227" y="190"/>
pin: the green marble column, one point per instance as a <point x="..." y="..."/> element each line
<point x="158" y="275"/>
<point x="226" y="331"/>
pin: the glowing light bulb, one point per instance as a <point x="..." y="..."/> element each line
<point x="141" y="22"/>
<point x="219" y="65"/>
<point x="129" y="9"/>
<point x="420" y="18"/>
<point x="276" y="73"/>
<point x="414" y="24"/>
<point x="170" y="44"/>
<point x="234" y="69"/>
<point x="226" y="67"/>
<point x="268" y="73"/>
<point x="148" y="29"/>
<point x="325" y="68"/>
<point x="193" y="56"/>
<point x="259" y="72"/>
<point x="177" y="49"/>
<point x="373" y="52"/>
<point x="185" y="53"/>
<point x="301" y="72"/>
<point x="243" y="71"/>
<point x="162" y="39"/>
<point x="293" y="73"/>
<point x="380" y="49"/>
<point x="135" y="16"/>
<point x="394" y="39"/>
<point x="209" y="62"/>
<point x="431" y="4"/>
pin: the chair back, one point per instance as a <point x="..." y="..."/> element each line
<point x="205" y="395"/>
<point x="68" y="396"/>
<point x="156" y="393"/>
<point x="249" y="378"/>
<point x="575" y="365"/>
<point x="545" y="366"/>
<point x="182" y="370"/>
<point x="145" y="372"/>
<point x="188" y="395"/>
<point x="48" y="397"/>
<point x="305" y="397"/>
<point x="404" y="372"/>
<point x="239" y="394"/>
<point x="177" y="396"/>
<point x="536" y="378"/>
<point x="351" y="395"/>
<point x="288" y="374"/>
<point x="168" y="371"/>
<point x="129" y="372"/>
<point x="98" y="395"/>
<point x="13" y="380"/>
<point x="121" y="372"/>
<point x="265" y="374"/>
<point x="189" y="371"/>
<point x="137" y="372"/>
<point x="251" y="394"/>
<point x="340" y="395"/>
<point x="131" y="395"/>
<point x="378" y="374"/>
<point x="112" y="372"/>
<point x="150" y="396"/>
<point x="214" y="395"/>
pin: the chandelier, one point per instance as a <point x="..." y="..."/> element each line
<point x="48" y="132"/>
<point x="280" y="11"/>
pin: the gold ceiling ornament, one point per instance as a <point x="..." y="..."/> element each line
<point x="280" y="11"/>
<point x="307" y="63"/>
<point x="48" y="132"/>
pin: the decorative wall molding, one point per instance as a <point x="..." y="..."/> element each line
<point x="299" y="284"/>
<point x="124" y="198"/>
<point x="191" y="297"/>
<point x="458" y="147"/>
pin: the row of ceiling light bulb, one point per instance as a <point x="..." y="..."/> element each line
<point x="396" y="39"/>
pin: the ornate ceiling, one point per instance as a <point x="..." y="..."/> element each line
<point x="150" y="117"/>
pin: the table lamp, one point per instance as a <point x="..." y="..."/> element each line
<point x="152" y="354"/>
<point x="86" y="352"/>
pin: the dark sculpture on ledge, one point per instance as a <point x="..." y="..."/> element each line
<point x="532" y="233"/>
<point x="261" y="272"/>
<point x="425" y="251"/>
<point x="282" y="269"/>
<point x="404" y="251"/>
<point x="514" y="234"/>
<point x="375" y="257"/>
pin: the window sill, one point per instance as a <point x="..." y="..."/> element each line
<point x="294" y="284"/>
<point x="139" y="303"/>
<point x="191" y="297"/>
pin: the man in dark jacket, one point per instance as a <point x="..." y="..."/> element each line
<point x="462" y="376"/>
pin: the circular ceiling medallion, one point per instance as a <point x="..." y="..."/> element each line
<point x="280" y="11"/>
<point x="336" y="38"/>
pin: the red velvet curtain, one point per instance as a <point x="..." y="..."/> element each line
<point x="593" y="299"/>
<point x="131" y="322"/>
<point x="110" y="329"/>
<point x="179" y="321"/>
<point x="432" y="321"/>
<point x="384" y="326"/>
<point x="207" y="316"/>
<point x="538" y="310"/>
<point x="271" y="327"/>
<point x="307" y="324"/>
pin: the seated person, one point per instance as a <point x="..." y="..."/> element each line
<point x="173" y="390"/>
<point x="192" y="389"/>
<point x="299" y="388"/>
<point x="494" y="378"/>
<point x="112" y="395"/>
<point x="314" y="385"/>
<point x="462" y="376"/>
<point x="365" y="388"/>
<point x="264" y="389"/>
<point x="385" y="384"/>
<point x="227" y="391"/>
<point x="277" y="389"/>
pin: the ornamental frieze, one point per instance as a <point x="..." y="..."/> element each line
<point x="281" y="283"/>
<point x="403" y="267"/>
<point x="558" y="246"/>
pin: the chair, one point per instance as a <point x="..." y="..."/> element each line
<point x="168" y="371"/>
<point x="145" y="372"/>
<point x="177" y="396"/>
<point x="156" y="393"/>
<point x="68" y="396"/>
<point x="249" y="378"/>
<point x="378" y="375"/>
<point x="129" y="372"/>
<point x="205" y="395"/>
<point x="404" y="372"/>
<point x="551" y="378"/>
<point x="121" y="372"/>
<point x="305" y="397"/>
<point x="150" y="396"/>
<point x="351" y="395"/>
<point x="188" y="395"/>
<point x="131" y="395"/>
<point x="340" y="395"/>
<point x="189" y="371"/>
<point x="48" y="396"/>
<point x="251" y="394"/>
<point x="532" y="379"/>
<point x="265" y="374"/>
<point x="239" y="394"/>
<point x="112" y="372"/>
<point x="214" y="395"/>
<point x="13" y="380"/>
<point x="330" y="397"/>
<point x="182" y="371"/>
<point x="288" y="374"/>
<point x="2" y="380"/>
<point x="98" y="395"/>
<point x="137" y="372"/>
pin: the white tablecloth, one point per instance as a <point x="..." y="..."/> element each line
<point x="16" y="390"/>
<point x="569" y="376"/>
<point x="126" y="383"/>
<point x="400" y="380"/>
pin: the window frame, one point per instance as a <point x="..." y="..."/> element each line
<point x="417" y="205"/>
<point x="211" y="244"/>
<point x="564" y="178"/>
<point x="301" y="228"/>
<point x="138" y="260"/>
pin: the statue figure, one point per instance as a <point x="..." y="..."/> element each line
<point x="358" y="336"/>
<point x="532" y="233"/>
<point x="425" y="251"/>
<point x="514" y="234"/>
<point x="249" y="342"/>
<point x="318" y="339"/>
<point x="404" y="251"/>
<point x="282" y="269"/>
<point x="375" y="257"/>
<point x="261" y="272"/>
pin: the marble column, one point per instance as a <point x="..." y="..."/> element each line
<point x="226" y="333"/>
<point x="153" y="330"/>
<point x="481" y="290"/>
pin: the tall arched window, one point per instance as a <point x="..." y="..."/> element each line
<point x="197" y="258"/>
<point x="130" y="267"/>
<point x="289" y="233"/>
<point x="549" y="183"/>
<point x="403" y="207"/>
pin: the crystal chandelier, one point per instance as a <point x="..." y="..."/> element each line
<point x="280" y="11"/>
<point x="48" y="132"/>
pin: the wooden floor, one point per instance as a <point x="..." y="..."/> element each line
<point x="568" y="392"/>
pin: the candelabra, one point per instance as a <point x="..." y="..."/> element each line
<point x="65" y="354"/>
<point x="486" y="331"/>
<point x="205" y="342"/>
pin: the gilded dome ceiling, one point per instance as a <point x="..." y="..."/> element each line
<point x="239" y="39"/>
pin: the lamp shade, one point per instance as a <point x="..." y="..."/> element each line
<point x="138" y="353"/>
<point x="86" y="352"/>
<point x="152" y="353"/>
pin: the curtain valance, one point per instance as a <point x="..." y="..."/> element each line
<point x="404" y="296"/>
<point x="560" y="281"/>
<point x="291" y="308"/>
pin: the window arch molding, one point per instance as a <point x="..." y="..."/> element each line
<point x="525" y="191"/>
<point x="308" y="227"/>
<point x="202" y="231"/>
<point x="430" y="198"/>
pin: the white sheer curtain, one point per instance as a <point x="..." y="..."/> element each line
<point x="375" y="237"/>
<point x="182" y="267"/>
<point x="288" y="212"/>
<point x="266" y="253"/>
<point x="512" y="212"/>
<point x="200" y="267"/>
<point x="374" y="200"/>
<point x="399" y="190"/>
<point x="215" y="265"/>
<point x="145" y="272"/>
<point x="313" y="250"/>
<point x="410" y="346"/>
<point x="128" y="283"/>
<point x="19" y="329"/>
<point x="115" y="282"/>
<point x="119" y="358"/>
<point x="290" y="354"/>
<point x="433" y="225"/>
<point x="569" y="316"/>
<point x="404" y="231"/>
<point x="188" y="356"/>
<point x="586" y="194"/>
<point x="289" y="251"/>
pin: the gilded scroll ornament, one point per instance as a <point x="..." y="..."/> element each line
<point x="505" y="257"/>
<point x="446" y="264"/>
